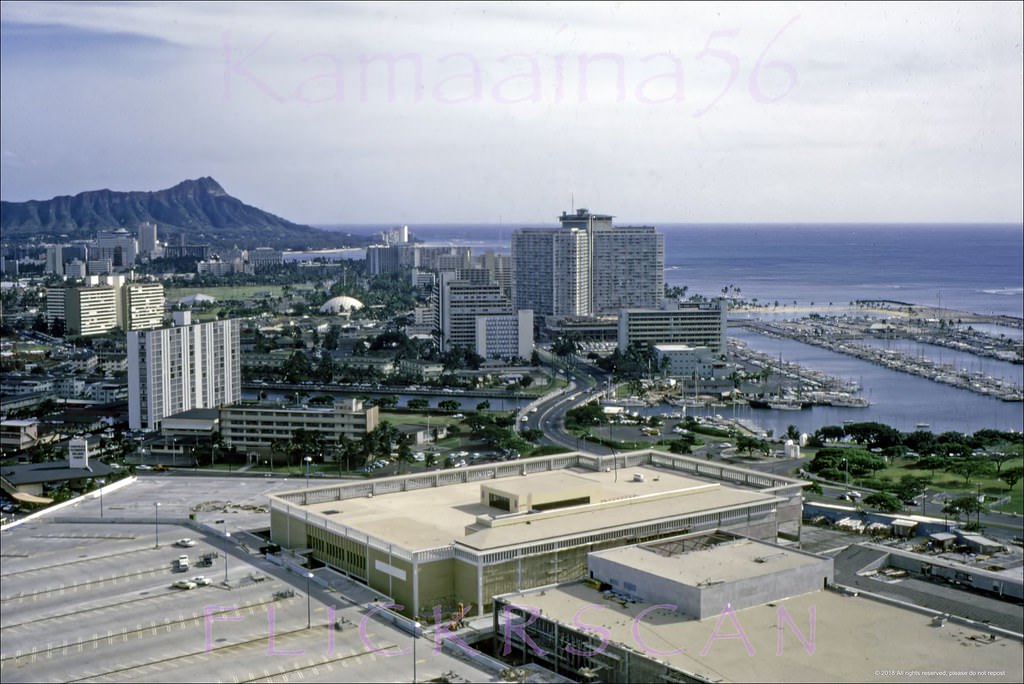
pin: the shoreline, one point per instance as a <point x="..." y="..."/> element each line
<point x="896" y="310"/>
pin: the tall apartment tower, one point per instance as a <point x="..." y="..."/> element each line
<point x="628" y="268"/>
<point x="55" y="259"/>
<point x="147" y="238"/>
<point x="56" y="298"/>
<point x="104" y="303"/>
<point x="118" y="246"/>
<point x="499" y="266"/>
<point x="627" y="262"/>
<point x="88" y="310"/>
<point x="552" y="271"/>
<point x="588" y="267"/>
<point x="183" y="367"/>
<point x="143" y="306"/>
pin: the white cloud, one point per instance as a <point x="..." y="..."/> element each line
<point x="880" y="112"/>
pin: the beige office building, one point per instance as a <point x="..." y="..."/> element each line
<point x="254" y="428"/>
<point x="461" y="536"/>
<point x="691" y="324"/>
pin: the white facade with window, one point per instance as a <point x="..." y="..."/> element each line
<point x="175" y="369"/>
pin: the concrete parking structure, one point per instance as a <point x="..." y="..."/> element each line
<point x="92" y="598"/>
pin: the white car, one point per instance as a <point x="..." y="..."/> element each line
<point x="185" y="584"/>
<point x="186" y="542"/>
<point x="201" y="580"/>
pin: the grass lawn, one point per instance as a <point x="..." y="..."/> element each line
<point x="954" y="484"/>
<point x="397" y="419"/>
<point x="232" y="292"/>
<point x="1016" y="503"/>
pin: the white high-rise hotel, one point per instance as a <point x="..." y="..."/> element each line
<point x="187" y="366"/>
<point x="588" y="267"/>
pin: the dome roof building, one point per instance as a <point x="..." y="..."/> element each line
<point x="342" y="303"/>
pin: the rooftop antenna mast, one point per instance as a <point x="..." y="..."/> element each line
<point x="572" y="201"/>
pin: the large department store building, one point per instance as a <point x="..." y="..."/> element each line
<point x="461" y="536"/>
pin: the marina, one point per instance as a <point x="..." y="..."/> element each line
<point x="846" y="336"/>
<point x="898" y="399"/>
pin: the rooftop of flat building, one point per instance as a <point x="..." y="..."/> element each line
<point x="195" y="414"/>
<point x="429" y="517"/>
<point x="725" y="562"/>
<point x="853" y="638"/>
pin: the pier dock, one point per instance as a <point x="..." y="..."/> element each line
<point x="841" y="334"/>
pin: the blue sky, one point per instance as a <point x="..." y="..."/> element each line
<point x="437" y="112"/>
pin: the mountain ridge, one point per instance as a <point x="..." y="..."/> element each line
<point x="197" y="210"/>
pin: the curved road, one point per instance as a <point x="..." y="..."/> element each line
<point x="585" y="384"/>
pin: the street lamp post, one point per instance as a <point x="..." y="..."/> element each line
<point x="980" y="499"/>
<point x="156" y="514"/>
<point x="309" y="615"/>
<point x="227" y="537"/>
<point x="308" y="460"/>
<point x="415" y="638"/>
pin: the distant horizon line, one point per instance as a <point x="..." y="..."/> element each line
<point x="778" y="224"/>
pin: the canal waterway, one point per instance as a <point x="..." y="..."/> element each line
<point x="466" y="403"/>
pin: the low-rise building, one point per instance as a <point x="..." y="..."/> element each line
<point x="709" y="608"/>
<point x="108" y="391"/>
<point x="693" y="324"/>
<point x="28" y="483"/>
<point x="462" y="536"/>
<point x="18" y="435"/>
<point x="11" y="384"/>
<point x="505" y="337"/>
<point x="421" y="370"/>
<point x="69" y="386"/>
<point x="255" y="427"/>
<point x="684" y="361"/>
<point x="197" y="423"/>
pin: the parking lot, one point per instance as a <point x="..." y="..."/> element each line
<point x="91" y="599"/>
